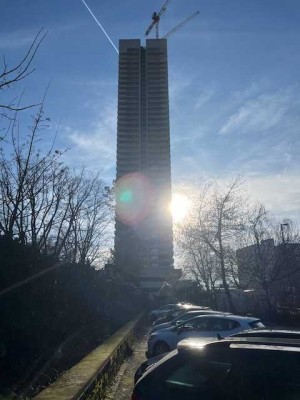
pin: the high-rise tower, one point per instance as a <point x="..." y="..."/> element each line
<point x="143" y="236"/>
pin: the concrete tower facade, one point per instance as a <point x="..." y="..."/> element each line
<point x="143" y="235"/>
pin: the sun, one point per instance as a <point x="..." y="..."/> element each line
<point x="179" y="207"/>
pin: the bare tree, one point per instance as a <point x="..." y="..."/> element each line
<point x="85" y="234"/>
<point x="266" y="256"/>
<point x="218" y="215"/>
<point x="200" y="262"/>
<point x="10" y="76"/>
<point x="42" y="202"/>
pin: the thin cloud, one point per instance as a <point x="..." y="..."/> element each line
<point x="15" y="40"/>
<point x="280" y="194"/>
<point x="259" y="114"/>
<point x="95" y="146"/>
<point x="23" y="38"/>
<point x="203" y="98"/>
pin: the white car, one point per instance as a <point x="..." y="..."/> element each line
<point x="183" y="317"/>
<point x="204" y="326"/>
<point x="163" y="310"/>
<point x="154" y="314"/>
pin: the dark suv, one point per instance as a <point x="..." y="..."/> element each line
<point x="232" y="369"/>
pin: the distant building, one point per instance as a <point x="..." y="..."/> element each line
<point x="143" y="229"/>
<point x="274" y="266"/>
<point x="249" y="259"/>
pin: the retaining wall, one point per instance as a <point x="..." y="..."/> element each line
<point x="89" y="379"/>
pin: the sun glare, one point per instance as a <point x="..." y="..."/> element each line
<point x="179" y="207"/>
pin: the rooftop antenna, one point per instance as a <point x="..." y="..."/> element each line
<point x="179" y="26"/>
<point x="155" y="20"/>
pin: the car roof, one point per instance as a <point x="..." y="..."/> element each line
<point x="183" y="309"/>
<point x="269" y="332"/>
<point x="229" y="316"/>
<point x="167" y="305"/>
<point x="243" y="342"/>
<point x="242" y="317"/>
<point x="190" y="306"/>
<point x="191" y="312"/>
<point x="186" y="308"/>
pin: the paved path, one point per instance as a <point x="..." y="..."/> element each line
<point x="123" y="385"/>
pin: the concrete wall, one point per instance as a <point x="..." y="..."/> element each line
<point x="90" y="378"/>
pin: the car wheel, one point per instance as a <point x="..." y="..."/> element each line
<point x="160" y="347"/>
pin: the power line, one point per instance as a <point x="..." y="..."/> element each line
<point x="98" y="23"/>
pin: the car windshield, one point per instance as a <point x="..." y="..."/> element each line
<point x="149" y="165"/>
<point x="185" y="317"/>
<point x="256" y="324"/>
<point x="165" y="308"/>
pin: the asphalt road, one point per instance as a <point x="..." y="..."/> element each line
<point x="123" y="384"/>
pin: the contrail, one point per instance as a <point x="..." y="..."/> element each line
<point x="103" y="30"/>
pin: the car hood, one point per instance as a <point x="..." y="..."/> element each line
<point x="161" y="332"/>
<point x="161" y="326"/>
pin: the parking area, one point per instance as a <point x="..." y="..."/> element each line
<point x="123" y="384"/>
<point x="246" y="340"/>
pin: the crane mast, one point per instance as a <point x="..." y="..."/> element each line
<point x="155" y="20"/>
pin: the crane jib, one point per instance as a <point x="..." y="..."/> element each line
<point x="156" y="19"/>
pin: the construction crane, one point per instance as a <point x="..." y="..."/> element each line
<point x="156" y="18"/>
<point x="185" y="21"/>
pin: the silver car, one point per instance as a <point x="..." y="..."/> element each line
<point x="204" y="326"/>
<point x="183" y="317"/>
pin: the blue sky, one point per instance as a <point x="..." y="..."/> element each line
<point x="233" y="76"/>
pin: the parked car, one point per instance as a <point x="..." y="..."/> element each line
<point x="240" y="368"/>
<point x="176" y="313"/>
<point x="163" y="310"/>
<point x="146" y="365"/>
<point x="185" y="316"/>
<point x="154" y="314"/>
<point x="260" y="335"/>
<point x="205" y="326"/>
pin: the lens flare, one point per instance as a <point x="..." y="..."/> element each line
<point x="134" y="196"/>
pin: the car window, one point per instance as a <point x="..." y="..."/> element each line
<point x="223" y="324"/>
<point x="185" y="317"/>
<point x="201" y="324"/>
<point x="196" y="379"/>
<point x="163" y="308"/>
